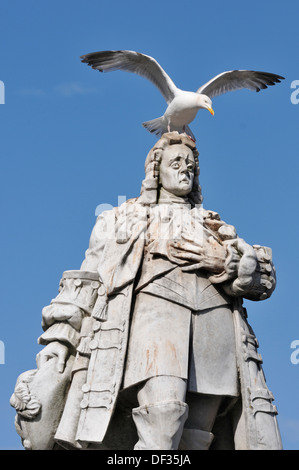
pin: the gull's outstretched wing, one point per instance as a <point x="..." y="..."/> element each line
<point x="135" y="62"/>
<point x="238" y="79"/>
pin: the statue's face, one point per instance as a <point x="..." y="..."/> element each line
<point x="177" y="169"/>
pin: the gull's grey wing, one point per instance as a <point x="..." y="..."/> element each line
<point x="238" y="79"/>
<point x="131" y="61"/>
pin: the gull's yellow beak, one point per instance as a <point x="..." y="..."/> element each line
<point x="211" y="111"/>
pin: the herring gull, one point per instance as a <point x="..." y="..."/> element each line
<point x="182" y="105"/>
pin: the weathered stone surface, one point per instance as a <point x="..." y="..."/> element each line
<point x="147" y="346"/>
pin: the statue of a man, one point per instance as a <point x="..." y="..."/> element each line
<point x="153" y="323"/>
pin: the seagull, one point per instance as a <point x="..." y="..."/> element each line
<point x="182" y="105"/>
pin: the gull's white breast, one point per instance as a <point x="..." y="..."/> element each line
<point x="183" y="109"/>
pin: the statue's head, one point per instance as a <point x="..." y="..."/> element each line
<point x="172" y="164"/>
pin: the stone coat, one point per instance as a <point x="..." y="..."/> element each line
<point x="117" y="249"/>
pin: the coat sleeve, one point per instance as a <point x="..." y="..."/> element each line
<point x="253" y="276"/>
<point x="103" y="230"/>
<point x="78" y="291"/>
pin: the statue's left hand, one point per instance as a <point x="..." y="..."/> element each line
<point x="55" y="349"/>
<point x="198" y="255"/>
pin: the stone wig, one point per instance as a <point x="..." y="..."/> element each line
<point x="150" y="185"/>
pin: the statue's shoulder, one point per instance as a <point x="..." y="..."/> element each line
<point x="208" y="214"/>
<point x="213" y="221"/>
<point x="108" y="211"/>
<point x="129" y="206"/>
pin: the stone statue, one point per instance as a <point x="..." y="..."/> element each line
<point x="147" y="346"/>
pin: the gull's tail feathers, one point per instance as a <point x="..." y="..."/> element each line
<point x="156" y="126"/>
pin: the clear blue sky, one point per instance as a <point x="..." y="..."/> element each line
<point x="71" y="139"/>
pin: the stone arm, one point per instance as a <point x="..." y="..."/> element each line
<point x="240" y="269"/>
<point x="62" y="319"/>
<point x="248" y="270"/>
<point x="255" y="277"/>
<point x="66" y="321"/>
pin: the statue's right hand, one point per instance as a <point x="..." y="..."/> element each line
<point x="53" y="350"/>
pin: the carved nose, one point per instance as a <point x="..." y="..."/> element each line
<point x="184" y="168"/>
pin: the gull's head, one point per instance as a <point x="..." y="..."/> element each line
<point x="205" y="102"/>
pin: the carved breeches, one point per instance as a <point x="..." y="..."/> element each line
<point x="169" y="339"/>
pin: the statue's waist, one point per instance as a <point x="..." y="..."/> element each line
<point x="192" y="290"/>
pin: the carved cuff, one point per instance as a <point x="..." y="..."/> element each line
<point x="62" y="332"/>
<point x="263" y="279"/>
<point x="78" y="288"/>
<point x="65" y="316"/>
<point x="76" y="298"/>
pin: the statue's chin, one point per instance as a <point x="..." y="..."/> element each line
<point x="182" y="192"/>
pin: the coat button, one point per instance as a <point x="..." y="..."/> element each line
<point x="101" y="290"/>
<point x="93" y="344"/>
<point x="95" y="284"/>
<point x="84" y="403"/>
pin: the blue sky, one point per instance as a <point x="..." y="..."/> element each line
<point x="71" y="139"/>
